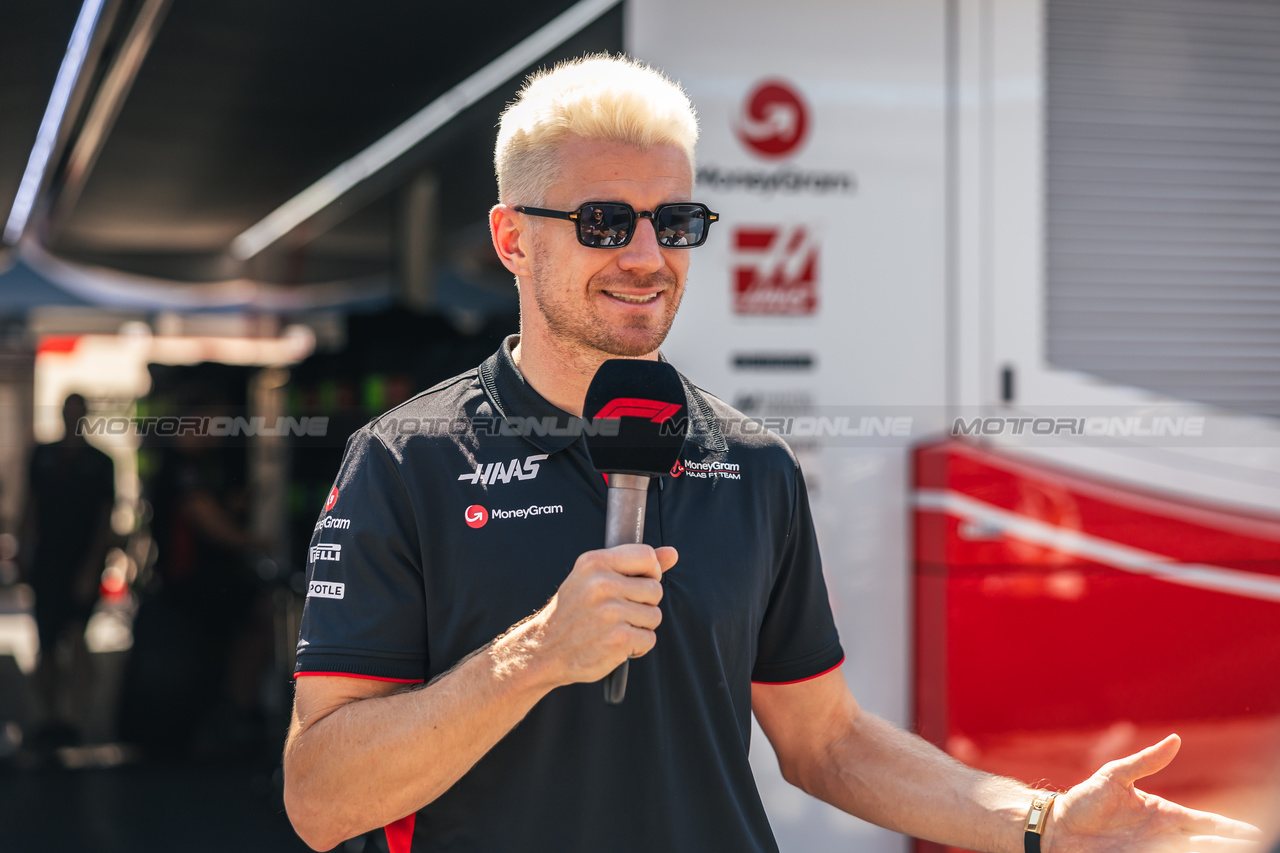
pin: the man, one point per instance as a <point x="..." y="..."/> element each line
<point x="208" y="621"/>
<point x="437" y="544"/>
<point x="599" y="233"/>
<point x="66" y="534"/>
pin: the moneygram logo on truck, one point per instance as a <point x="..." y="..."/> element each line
<point x="775" y="120"/>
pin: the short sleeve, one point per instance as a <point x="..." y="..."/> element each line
<point x="365" y="613"/>
<point x="798" y="638"/>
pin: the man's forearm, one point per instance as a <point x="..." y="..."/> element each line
<point x="898" y="780"/>
<point x="370" y="762"/>
<point x="361" y="754"/>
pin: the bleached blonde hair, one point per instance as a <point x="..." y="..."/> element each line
<point x="599" y="97"/>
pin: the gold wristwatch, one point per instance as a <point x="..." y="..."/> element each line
<point x="1037" y="818"/>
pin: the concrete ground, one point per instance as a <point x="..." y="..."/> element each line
<point x="95" y="795"/>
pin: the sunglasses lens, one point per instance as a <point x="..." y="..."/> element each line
<point x="682" y="225"/>
<point x="604" y="224"/>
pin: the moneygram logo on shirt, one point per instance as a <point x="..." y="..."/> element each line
<point x="709" y="470"/>
<point x="477" y="516"/>
<point x="498" y="472"/>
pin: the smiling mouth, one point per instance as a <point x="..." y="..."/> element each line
<point x="634" y="299"/>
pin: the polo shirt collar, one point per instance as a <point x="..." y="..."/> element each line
<point x="513" y="397"/>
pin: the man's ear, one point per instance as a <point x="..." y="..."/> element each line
<point x="510" y="239"/>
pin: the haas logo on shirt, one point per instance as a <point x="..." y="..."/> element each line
<point x="497" y="472"/>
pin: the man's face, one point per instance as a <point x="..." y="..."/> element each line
<point x="615" y="301"/>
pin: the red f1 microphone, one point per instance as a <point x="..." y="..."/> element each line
<point x="647" y="398"/>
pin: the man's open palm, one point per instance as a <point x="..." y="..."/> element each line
<point x="1107" y="814"/>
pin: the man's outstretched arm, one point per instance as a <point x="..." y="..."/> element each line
<point x="362" y="753"/>
<point x="830" y="747"/>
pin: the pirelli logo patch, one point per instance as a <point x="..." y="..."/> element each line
<point x="326" y="552"/>
<point x="325" y="589"/>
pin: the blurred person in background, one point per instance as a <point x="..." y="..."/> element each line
<point x="202" y="638"/>
<point x="66" y="534"/>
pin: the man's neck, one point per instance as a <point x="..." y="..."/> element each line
<point x="559" y="372"/>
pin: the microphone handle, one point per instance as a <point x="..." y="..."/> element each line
<point x="623" y="524"/>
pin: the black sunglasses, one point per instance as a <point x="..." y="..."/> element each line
<point x="612" y="224"/>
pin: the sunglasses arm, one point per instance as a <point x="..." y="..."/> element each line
<point x="550" y="214"/>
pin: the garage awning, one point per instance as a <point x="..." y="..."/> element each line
<point x="325" y="136"/>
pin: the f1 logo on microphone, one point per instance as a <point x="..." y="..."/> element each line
<point x="476" y="516"/>
<point x="636" y="407"/>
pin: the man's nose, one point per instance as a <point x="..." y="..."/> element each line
<point x="643" y="252"/>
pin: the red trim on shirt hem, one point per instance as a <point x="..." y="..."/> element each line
<point x="370" y="677"/>
<point x="400" y="834"/>
<point x="806" y="678"/>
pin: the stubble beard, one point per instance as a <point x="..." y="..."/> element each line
<point x="578" y="325"/>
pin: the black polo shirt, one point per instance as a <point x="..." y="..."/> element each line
<point x="460" y="512"/>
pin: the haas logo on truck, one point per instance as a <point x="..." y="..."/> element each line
<point x="775" y="271"/>
<point x="774" y="120"/>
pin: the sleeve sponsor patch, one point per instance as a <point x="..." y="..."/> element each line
<point x="326" y="589"/>
<point x="326" y="552"/>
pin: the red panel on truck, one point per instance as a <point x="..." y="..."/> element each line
<point x="1063" y="621"/>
